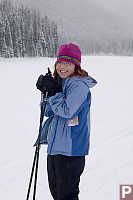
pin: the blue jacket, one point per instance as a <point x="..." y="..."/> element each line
<point x="67" y="129"/>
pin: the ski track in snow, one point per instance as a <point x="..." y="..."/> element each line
<point x="109" y="163"/>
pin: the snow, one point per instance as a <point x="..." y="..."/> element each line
<point x="109" y="163"/>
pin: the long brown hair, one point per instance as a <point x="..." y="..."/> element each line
<point x="77" y="72"/>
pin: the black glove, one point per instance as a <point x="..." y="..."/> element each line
<point x="48" y="84"/>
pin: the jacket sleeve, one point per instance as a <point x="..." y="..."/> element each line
<point x="48" y="110"/>
<point x="66" y="105"/>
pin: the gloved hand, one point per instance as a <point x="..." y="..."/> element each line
<point x="48" y="84"/>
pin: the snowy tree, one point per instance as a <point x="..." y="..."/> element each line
<point x="36" y="27"/>
<point x="47" y="34"/>
<point x="42" y="38"/>
<point x="39" y="50"/>
<point x="54" y="39"/>
<point x="3" y="47"/>
<point x="8" y="39"/>
<point x="14" y="34"/>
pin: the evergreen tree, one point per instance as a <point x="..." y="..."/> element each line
<point x="39" y="50"/>
<point x="8" y="39"/>
<point x="47" y="35"/>
<point x="42" y="38"/>
<point x="53" y="39"/>
<point x="3" y="47"/>
<point x="14" y="33"/>
<point x="31" y="46"/>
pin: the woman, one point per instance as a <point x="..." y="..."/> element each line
<point x="69" y="128"/>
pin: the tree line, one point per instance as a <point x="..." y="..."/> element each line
<point x="114" y="46"/>
<point x="23" y="32"/>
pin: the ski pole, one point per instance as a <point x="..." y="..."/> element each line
<point x="36" y="156"/>
<point x="38" y="144"/>
<point x="32" y="171"/>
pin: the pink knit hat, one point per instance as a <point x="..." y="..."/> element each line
<point x="69" y="53"/>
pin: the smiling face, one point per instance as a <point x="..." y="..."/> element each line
<point x="65" y="69"/>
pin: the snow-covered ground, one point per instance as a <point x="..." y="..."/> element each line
<point x="110" y="161"/>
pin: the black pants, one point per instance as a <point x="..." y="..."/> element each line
<point x="64" y="176"/>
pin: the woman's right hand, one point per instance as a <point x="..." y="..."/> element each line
<point x="48" y="84"/>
